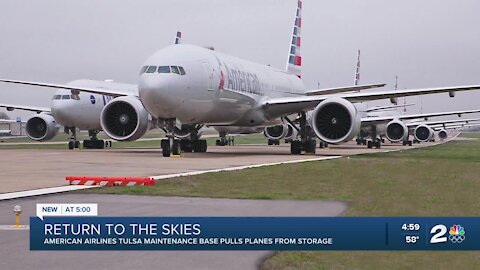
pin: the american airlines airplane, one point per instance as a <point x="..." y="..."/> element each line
<point x="189" y="86"/>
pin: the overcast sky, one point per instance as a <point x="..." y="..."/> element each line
<point x="427" y="43"/>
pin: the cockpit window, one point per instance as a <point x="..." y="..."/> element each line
<point x="151" y="69"/>
<point x="182" y="71"/>
<point x="175" y="70"/>
<point x="57" y="97"/>
<point x="164" y="69"/>
<point x="143" y="69"/>
<point x="66" y="97"/>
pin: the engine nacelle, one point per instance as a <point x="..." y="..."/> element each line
<point x="336" y="120"/>
<point x="442" y="134"/>
<point x="423" y="133"/>
<point x="397" y="131"/>
<point x="394" y="100"/>
<point x="41" y="127"/>
<point x="184" y="132"/>
<point x="291" y="133"/>
<point x="276" y="132"/>
<point x="124" y="119"/>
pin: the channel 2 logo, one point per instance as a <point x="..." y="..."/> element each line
<point x="456" y="234"/>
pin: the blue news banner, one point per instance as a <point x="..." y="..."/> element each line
<point x="254" y="233"/>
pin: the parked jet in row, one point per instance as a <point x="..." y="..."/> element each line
<point x="196" y="86"/>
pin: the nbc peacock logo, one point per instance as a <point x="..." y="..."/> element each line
<point x="457" y="234"/>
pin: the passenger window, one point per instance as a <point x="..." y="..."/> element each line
<point x="57" y="97"/>
<point x="164" y="69"/>
<point x="175" y="70"/>
<point x="151" y="69"/>
<point x="182" y="71"/>
<point x="66" y="97"/>
<point x="143" y="69"/>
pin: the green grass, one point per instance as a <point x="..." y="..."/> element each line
<point x="437" y="181"/>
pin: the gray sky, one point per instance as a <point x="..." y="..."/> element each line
<point x="427" y="43"/>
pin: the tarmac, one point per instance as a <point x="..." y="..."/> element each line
<point x="28" y="169"/>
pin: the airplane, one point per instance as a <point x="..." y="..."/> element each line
<point x="190" y="86"/>
<point x="79" y="110"/>
<point x="425" y="131"/>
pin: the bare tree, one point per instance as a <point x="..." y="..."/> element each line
<point x="4" y="115"/>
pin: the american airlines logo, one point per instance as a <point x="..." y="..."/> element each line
<point x="242" y="81"/>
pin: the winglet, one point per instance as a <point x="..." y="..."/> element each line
<point x="294" y="62"/>
<point x="178" y="38"/>
<point x="357" y="71"/>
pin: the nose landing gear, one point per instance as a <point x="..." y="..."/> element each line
<point x="72" y="142"/>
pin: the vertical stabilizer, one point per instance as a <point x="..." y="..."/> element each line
<point x="357" y="71"/>
<point x="294" y="64"/>
<point x="178" y="38"/>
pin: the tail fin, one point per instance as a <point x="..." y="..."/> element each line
<point x="178" y="38"/>
<point x="294" y="63"/>
<point x="357" y="71"/>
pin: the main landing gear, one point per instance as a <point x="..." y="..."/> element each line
<point x="173" y="146"/>
<point x="306" y="144"/>
<point x="225" y="140"/>
<point x="376" y="141"/>
<point x="409" y="143"/>
<point x="273" y="142"/>
<point x="94" y="142"/>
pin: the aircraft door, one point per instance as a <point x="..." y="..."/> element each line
<point x="209" y="71"/>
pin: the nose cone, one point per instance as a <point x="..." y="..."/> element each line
<point x="158" y="96"/>
<point x="62" y="111"/>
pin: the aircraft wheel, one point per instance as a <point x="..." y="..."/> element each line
<point x="296" y="147"/>
<point x="77" y="144"/>
<point x="310" y="147"/>
<point x="200" y="146"/>
<point x="71" y="145"/>
<point x="176" y="148"/>
<point x="186" y="146"/>
<point x="378" y="144"/>
<point x="369" y="144"/>
<point x="166" y="151"/>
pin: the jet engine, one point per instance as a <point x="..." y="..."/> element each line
<point x="336" y="120"/>
<point x="397" y="131"/>
<point x="124" y="119"/>
<point x="276" y="132"/>
<point x="41" y="127"/>
<point x="423" y="133"/>
<point x="291" y="133"/>
<point x="442" y="134"/>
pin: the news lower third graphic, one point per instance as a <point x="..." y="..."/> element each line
<point x="78" y="227"/>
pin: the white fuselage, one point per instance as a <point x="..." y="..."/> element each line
<point x="83" y="110"/>
<point x="216" y="89"/>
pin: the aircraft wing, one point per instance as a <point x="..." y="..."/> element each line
<point x="278" y="107"/>
<point x="384" y="108"/>
<point x="103" y="88"/>
<point x="442" y="123"/>
<point x="376" y="119"/>
<point x="11" y="107"/>
<point x="328" y="91"/>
